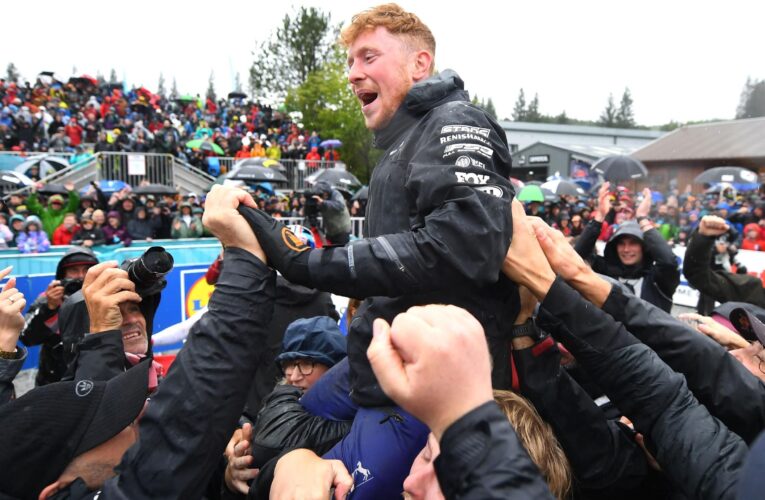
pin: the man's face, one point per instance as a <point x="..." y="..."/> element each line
<point x="753" y="359"/>
<point x="422" y="483"/>
<point x="629" y="250"/>
<point x="77" y="272"/>
<point x="381" y="73"/>
<point x="133" y="328"/>
<point x="70" y="221"/>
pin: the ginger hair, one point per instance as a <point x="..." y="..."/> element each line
<point x="538" y="439"/>
<point x="394" y="19"/>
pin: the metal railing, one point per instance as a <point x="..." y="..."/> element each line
<point x="132" y="168"/>
<point x="357" y="224"/>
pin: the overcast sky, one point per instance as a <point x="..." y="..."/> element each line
<point x="682" y="60"/>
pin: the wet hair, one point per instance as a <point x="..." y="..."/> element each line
<point x="394" y="19"/>
<point x="538" y="439"/>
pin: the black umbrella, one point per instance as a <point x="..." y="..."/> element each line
<point x="260" y="162"/>
<point x="237" y="95"/>
<point x="732" y="175"/>
<point x="563" y="187"/>
<point x="361" y="194"/>
<point x="53" y="189"/>
<point x="255" y="173"/>
<point x="620" y="168"/>
<point x="335" y="177"/>
<point x="155" y="189"/>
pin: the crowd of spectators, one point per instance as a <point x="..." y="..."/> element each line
<point x="64" y="117"/>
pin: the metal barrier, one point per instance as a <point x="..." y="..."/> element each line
<point x="136" y="167"/>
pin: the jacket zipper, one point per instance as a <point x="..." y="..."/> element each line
<point x="393" y="256"/>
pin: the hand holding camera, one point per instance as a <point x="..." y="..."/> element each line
<point x="104" y="288"/>
<point x="55" y="294"/>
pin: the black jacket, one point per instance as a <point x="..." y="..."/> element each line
<point x="292" y="302"/>
<point x="189" y="421"/>
<point x="715" y="377"/>
<point x="720" y="285"/>
<point x="95" y="235"/>
<point x="41" y="327"/>
<point x="699" y="454"/>
<point x="438" y="224"/>
<point x="481" y="458"/>
<point x="659" y="270"/>
<point x="604" y="457"/>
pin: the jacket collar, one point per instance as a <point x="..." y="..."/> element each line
<point x="422" y="97"/>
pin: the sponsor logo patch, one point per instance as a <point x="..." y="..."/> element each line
<point x="466" y="161"/>
<point x="83" y="388"/>
<point x="463" y="137"/>
<point x="453" y="149"/>
<point x="471" y="178"/>
<point x="453" y="129"/>
<point x="292" y="241"/>
<point x="492" y="190"/>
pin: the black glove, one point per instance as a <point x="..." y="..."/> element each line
<point x="285" y="252"/>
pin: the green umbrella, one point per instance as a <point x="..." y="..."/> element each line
<point x="531" y="193"/>
<point x="205" y="146"/>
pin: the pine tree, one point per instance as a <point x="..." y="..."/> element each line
<point x="752" y="103"/>
<point x="161" y="86"/>
<point x="490" y="109"/>
<point x="211" y="87"/>
<point x="562" y="118"/>
<point x="608" y="116"/>
<point x="174" y="90"/>
<point x="238" y="83"/>
<point x="519" y="110"/>
<point x="13" y="74"/>
<point x="532" y="113"/>
<point x="113" y="77"/>
<point x="625" y="118"/>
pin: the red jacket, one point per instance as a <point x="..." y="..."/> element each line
<point x="62" y="236"/>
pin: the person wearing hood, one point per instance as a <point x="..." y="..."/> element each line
<point x="41" y="321"/>
<point x="753" y="238"/>
<point x="140" y="226"/>
<point x="32" y="239"/>
<point x="53" y="215"/>
<point x="16" y="223"/>
<point x="186" y="224"/>
<point x="6" y="235"/>
<point x="636" y="254"/>
<point x="115" y="231"/>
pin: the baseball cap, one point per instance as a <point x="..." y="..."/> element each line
<point x="49" y="426"/>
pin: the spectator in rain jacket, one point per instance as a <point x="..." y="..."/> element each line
<point x="53" y="215"/>
<point x="140" y="226"/>
<point x="753" y="239"/>
<point x="186" y="224"/>
<point x="32" y="239"/>
<point x="89" y="235"/>
<point x="65" y="232"/>
<point x="115" y="231"/>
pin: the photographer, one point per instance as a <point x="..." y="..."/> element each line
<point x="100" y="357"/>
<point x="41" y="321"/>
<point x="334" y="212"/>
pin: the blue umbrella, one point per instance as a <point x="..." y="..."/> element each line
<point x="657" y="197"/>
<point x="331" y="143"/>
<point x="265" y="186"/>
<point x="107" y="186"/>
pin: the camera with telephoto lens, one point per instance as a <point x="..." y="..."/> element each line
<point x="311" y="207"/>
<point x="148" y="271"/>
<point x="71" y="285"/>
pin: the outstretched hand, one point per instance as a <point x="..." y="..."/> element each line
<point x="224" y="221"/>
<point x="712" y="225"/>
<point x="12" y="302"/>
<point x="525" y="263"/>
<point x="604" y="202"/>
<point x="644" y="209"/>
<point x="434" y="362"/>
<point x="239" y="456"/>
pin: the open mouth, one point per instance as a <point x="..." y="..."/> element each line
<point x="131" y="335"/>
<point x="366" y="97"/>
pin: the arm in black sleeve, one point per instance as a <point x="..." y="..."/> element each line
<point x="602" y="456"/>
<point x="9" y="368"/>
<point x="482" y="458"/>
<point x="190" y="419"/>
<point x="585" y="244"/>
<point x="698" y="453"/>
<point x="715" y="377"/>
<point x="100" y="356"/>
<point x="462" y="229"/>
<point x="36" y="330"/>
<point x="720" y="285"/>
<point x="667" y="275"/>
